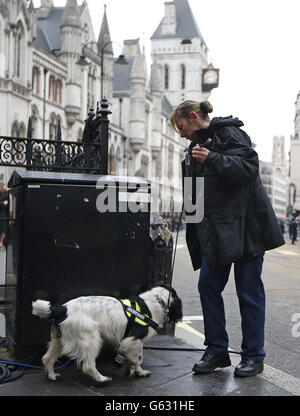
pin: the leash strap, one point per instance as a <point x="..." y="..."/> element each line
<point x="173" y="262"/>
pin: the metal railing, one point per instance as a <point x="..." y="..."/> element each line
<point x="88" y="156"/>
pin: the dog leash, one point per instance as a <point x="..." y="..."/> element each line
<point x="174" y="255"/>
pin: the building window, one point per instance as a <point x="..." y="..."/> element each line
<point x="170" y="161"/>
<point x="19" y="50"/>
<point x="50" y="90"/>
<point x="36" y="76"/>
<point x="59" y="90"/>
<point x="166" y="77"/>
<point x="182" y="77"/>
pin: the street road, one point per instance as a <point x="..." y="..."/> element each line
<point x="281" y="277"/>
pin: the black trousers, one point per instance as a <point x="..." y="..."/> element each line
<point x="251" y="296"/>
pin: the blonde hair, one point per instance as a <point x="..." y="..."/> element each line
<point x="184" y="109"/>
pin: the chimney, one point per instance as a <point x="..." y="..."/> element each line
<point x="169" y="24"/>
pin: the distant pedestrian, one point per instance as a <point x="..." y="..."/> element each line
<point x="281" y="224"/>
<point x="238" y="226"/>
<point x="294" y="231"/>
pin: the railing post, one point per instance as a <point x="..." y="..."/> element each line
<point x="58" y="158"/>
<point x="104" y="127"/>
<point x="29" y="145"/>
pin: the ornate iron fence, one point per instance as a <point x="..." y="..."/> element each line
<point x="88" y="156"/>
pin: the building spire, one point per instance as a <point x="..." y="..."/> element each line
<point x="45" y="8"/>
<point x="71" y="15"/>
<point x="104" y="35"/>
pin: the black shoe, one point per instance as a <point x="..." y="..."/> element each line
<point x="209" y="363"/>
<point x="248" y="368"/>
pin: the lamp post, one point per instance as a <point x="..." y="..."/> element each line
<point x="83" y="62"/>
<point x="44" y="101"/>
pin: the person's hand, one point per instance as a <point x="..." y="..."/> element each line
<point x="5" y="202"/>
<point x="200" y="153"/>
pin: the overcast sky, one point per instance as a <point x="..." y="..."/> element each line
<point x="255" y="43"/>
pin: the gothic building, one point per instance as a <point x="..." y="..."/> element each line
<point x="275" y="178"/>
<point x="294" y="166"/>
<point x="40" y="77"/>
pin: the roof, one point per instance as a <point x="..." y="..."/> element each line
<point x="166" y="106"/>
<point x="48" y="33"/>
<point x="187" y="27"/>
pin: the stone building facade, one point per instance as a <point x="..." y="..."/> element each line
<point x="40" y="77"/>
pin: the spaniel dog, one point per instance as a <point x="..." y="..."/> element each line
<point x="82" y="326"/>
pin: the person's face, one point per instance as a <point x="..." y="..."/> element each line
<point x="186" y="126"/>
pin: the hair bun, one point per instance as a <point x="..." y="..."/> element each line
<point x="206" y="107"/>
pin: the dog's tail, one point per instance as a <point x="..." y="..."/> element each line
<point x="44" y="309"/>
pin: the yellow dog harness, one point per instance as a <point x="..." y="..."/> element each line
<point x="137" y="313"/>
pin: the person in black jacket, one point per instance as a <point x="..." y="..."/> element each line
<point x="294" y="230"/>
<point x="238" y="226"/>
<point x="3" y="213"/>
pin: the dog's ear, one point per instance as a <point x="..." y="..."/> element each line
<point x="175" y="309"/>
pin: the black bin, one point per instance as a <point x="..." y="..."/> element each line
<point x="60" y="246"/>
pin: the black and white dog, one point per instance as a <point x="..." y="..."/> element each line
<point x="82" y="325"/>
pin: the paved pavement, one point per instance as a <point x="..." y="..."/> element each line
<point x="170" y="360"/>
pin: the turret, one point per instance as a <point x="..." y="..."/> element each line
<point x="70" y="52"/>
<point x="138" y="79"/>
<point x="156" y="90"/>
<point x="43" y="11"/>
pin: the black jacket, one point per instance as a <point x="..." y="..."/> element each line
<point x="239" y="220"/>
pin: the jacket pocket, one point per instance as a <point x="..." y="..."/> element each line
<point x="223" y="239"/>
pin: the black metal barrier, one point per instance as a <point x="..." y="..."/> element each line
<point x="60" y="244"/>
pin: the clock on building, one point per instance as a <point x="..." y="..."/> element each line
<point x="210" y="79"/>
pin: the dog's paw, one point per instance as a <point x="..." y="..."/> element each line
<point x="54" y="377"/>
<point x="143" y="373"/>
<point x="103" y="382"/>
<point x="133" y="372"/>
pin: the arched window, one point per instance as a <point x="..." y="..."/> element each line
<point x="166" y="80"/>
<point x="22" y="130"/>
<point x="51" y="86"/>
<point x="183" y="74"/>
<point x="19" y="50"/>
<point x="118" y="160"/>
<point x="36" y="75"/>
<point x="59" y="88"/>
<point x="18" y="130"/>
<point x="15" y="129"/>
